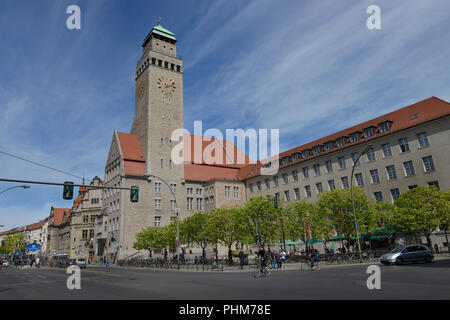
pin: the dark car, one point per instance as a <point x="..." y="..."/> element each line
<point x="411" y="253"/>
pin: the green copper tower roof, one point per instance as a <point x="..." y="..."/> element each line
<point x="160" y="30"/>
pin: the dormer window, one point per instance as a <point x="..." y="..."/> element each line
<point x="328" y="146"/>
<point x="340" y="141"/>
<point x="316" y="150"/>
<point x="295" y="156"/>
<point x="306" y="153"/>
<point x="354" y="136"/>
<point x="285" y="160"/>
<point x="368" y="132"/>
<point x="385" y="126"/>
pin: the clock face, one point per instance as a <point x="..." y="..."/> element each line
<point x="140" y="90"/>
<point x="167" y="87"/>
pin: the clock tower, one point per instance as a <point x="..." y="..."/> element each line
<point x="159" y="110"/>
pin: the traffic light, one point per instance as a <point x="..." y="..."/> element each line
<point x="134" y="194"/>
<point x="259" y="238"/>
<point x="275" y="202"/>
<point x="68" y="190"/>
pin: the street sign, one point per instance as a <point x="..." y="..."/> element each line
<point x="114" y="245"/>
<point x="33" y="247"/>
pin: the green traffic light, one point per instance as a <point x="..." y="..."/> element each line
<point x="68" y="190"/>
<point x="134" y="194"/>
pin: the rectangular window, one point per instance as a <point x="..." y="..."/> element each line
<point x="331" y="185"/>
<point x="316" y="150"/>
<point x="428" y="164"/>
<point x="85" y="234"/>
<point x="391" y="172"/>
<point x="189" y="190"/>
<point x="236" y="192"/>
<point x="384" y="126"/>
<point x="157" y="222"/>
<point x="258" y="185"/>
<point x="368" y="132"/>
<point x="319" y="187"/>
<point x="354" y="137"/>
<point x="434" y="184"/>
<point x="173" y="187"/>
<point x="189" y="203"/>
<point x="374" y="176"/>
<point x="359" y="179"/>
<point x="157" y="203"/>
<point x="341" y="161"/>
<point x="403" y="143"/>
<point x="85" y="219"/>
<point x="370" y="155"/>
<point x="267" y="181"/>
<point x="409" y="168"/>
<point x="386" y="150"/>
<point x="295" y="175"/>
<point x="344" y="181"/>
<point x="199" y="204"/>
<point x="316" y="170"/>
<point x="378" y="196"/>
<point x="287" y="197"/>
<point x="340" y="142"/>
<point x="157" y="187"/>
<point x="275" y="181"/>
<point x="308" y="191"/>
<point x="355" y="156"/>
<point x="328" y="146"/>
<point x="285" y="178"/>
<point x="306" y="154"/>
<point x="395" y="193"/>
<point x="297" y="193"/>
<point x="422" y="139"/>
<point x="305" y="173"/>
<point x="172" y="205"/>
<point x="328" y="166"/>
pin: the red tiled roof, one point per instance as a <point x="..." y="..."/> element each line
<point x="426" y="110"/>
<point x="201" y="172"/>
<point x="59" y="215"/>
<point x="134" y="162"/>
<point x="212" y="151"/>
<point x="35" y="226"/>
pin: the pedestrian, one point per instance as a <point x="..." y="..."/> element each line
<point x="273" y="259"/>
<point x="241" y="258"/>
<point x="283" y="259"/>
<point x="278" y="258"/>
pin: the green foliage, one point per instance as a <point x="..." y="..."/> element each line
<point x="336" y="207"/>
<point x="421" y="211"/>
<point x="14" y="243"/>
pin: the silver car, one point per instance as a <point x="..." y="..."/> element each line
<point x="411" y="253"/>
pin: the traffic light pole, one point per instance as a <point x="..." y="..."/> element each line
<point x="62" y="184"/>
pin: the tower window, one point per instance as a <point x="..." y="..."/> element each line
<point x="153" y="60"/>
<point x="159" y="63"/>
<point x="166" y="64"/>
<point x="178" y="68"/>
<point x="172" y="66"/>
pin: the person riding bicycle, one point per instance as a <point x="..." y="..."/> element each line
<point x="262" y="256"/>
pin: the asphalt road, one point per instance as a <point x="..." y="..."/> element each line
<point x="415" y="281"/>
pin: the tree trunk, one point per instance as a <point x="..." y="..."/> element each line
<point x="430" y="245"/>
<point x="230" y="256"/>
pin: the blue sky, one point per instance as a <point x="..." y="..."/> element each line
<point x="309" y="68"/>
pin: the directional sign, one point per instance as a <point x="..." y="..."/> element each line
<point x="33" y="247"/>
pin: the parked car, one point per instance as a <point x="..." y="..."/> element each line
<point x="80" y="262"/>
<point x="5" y="264"/>
<point x="410" y="253"/>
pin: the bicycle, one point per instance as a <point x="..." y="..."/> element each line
<point x="308" y="265"/>
<point x="260" y="270"/>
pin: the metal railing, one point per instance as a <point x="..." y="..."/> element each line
<point x="198" y="263"/>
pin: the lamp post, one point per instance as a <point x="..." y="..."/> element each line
<point x="353" y="203"/>
<point x="21" y="186"/>
<point x="177" y="210"/>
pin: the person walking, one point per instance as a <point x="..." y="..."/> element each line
<point x="278" y="258"/>
<point x="273" y="259"/>
<point x="241" y="258"/>
<point x="283" y="259"/>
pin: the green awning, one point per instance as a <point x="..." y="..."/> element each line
<point x="290" y="243"/>
<point x="378" y="237"/>
<point x="312" y="240"/>
<point x="387" y="229"/>
<point x="336" y="238"/>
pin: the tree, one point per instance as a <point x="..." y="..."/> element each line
<point x="336" y="207"/>
<point x="195" y="229"/>
<point x="14" y="243"/>
<point x="267" y="220"/>
<point x="151" y="238"/>
<point x="304" y="221"/>
<point x="421" y="211"/>
<point x="227" y="226"/>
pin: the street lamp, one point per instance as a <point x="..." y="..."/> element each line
<point x="21" y="186"/>
<point x="353" y="203"/>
